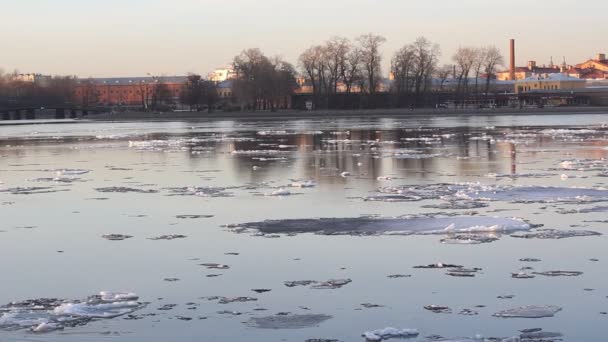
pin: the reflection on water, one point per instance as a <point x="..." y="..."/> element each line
<point x="70" y="195"/>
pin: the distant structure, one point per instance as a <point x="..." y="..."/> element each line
<point x="592" y="69"/>
<point x="548" y="83"/>
<point x="512" y="60"/>
<point x="126" y="91"/>
<point x="39" y="79"/>
<point x="221" y="75"/>
<point x="519" y="73"/>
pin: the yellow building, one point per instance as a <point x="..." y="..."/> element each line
<point x="599" y="63"/>
<point x="532" y="69"/>
<point x="548" y="83"/>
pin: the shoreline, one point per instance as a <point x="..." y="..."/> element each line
<point x="135" y="116"/>
<point x="321" y="114"/>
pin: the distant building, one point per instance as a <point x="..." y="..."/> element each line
<point x="42" y="80"/>
<point x="549" y="82"/>
<point x="125" y="91"/>
<point x="224" y="91"/>
<point x="221" y="75"/>
<point x="520" y="73"/>
<point x="593" y="69"/>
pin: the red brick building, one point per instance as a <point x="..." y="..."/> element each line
<point x="127" y="91"/>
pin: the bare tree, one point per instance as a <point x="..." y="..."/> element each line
<point x="402" y="69"/>
<point x="335" y="55"/>
<point x="493" y="60"/>
<point x="426" y="57"/>
<point x="464" y="59"/>
<point x="310" y="61"/>
<point x="370" y="59"/>
<point x="443" y="73"/>
<point x="352" y="71"/>
<point x="478" y="66"/>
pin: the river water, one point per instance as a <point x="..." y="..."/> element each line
<point x="353" y="200"/>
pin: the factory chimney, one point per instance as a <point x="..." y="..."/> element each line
<point x="512" y="60"/>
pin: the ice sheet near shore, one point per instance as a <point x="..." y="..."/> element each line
<point x="386" y="226"/>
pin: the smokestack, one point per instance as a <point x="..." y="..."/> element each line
<point x="512" y="60"/>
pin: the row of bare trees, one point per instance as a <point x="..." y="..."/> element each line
<point x="478" y="64"/>
<point x="342" y="65"/>
<point x="412" y="69"/>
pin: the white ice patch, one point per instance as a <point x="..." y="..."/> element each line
<point x="108" y="296"/>
<point x="106" y="310"/>
<point x="278" y="193"/>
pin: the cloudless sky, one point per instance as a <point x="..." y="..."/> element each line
<point x="172" y="37"/>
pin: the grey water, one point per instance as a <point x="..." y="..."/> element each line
<point x="158" y="209"/>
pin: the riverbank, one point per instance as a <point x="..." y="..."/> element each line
<point x="297" y="114"/>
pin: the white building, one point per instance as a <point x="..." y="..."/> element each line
<point x="221" y="75"/>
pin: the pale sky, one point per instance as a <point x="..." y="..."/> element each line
<point x="104" y="38"/>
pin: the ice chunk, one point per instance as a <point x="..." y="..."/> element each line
<point x="559" y="273"/>
<point x="530" y="311"/>
<point x="116" y="237"/>
<point x="46" y="327"/>
<point x="555" y="234"/>
<point x="531" y="194"/>
<point x="122" y="189"/>
<point x="288" y="321"/>
<point x="106" y="310"/>
<point x="388" y="333"/>
<point x="278" y="193"/>
<point x="108" y="296"/>
<point x="303" y="184"/>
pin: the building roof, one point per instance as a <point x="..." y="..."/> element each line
<point x="551" y="78"/>
<point x="135" y="80"/>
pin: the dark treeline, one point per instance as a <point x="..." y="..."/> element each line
<point x="53" y="91"/>
<point x="339" y="73"/>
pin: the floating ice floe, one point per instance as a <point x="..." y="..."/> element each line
<point x="116" y="237"/>
<point x="303" y="184"/>
<point x="469" y="239"/>
<point x="48" y="315"/>
<point x="192" y="216"/>
<point x="438" y="309"/>
<point x="555" y="234"/>
<point x="168" y="237"/>
<point x="388" y="333"/>
<point x="531" y="194"/>
<point x="201" y="191"/>
<point x="319" y="285"/>
<point x="30" y="190"/>
<point x="559" y="273"/>
<point x="289" y="321"/>
<point x="122" y="189"/>
<point x="71" y="172"/>
<point x="278" y="193"/>
<point x="412" y="225"/>
<point x="530" y="311"/>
